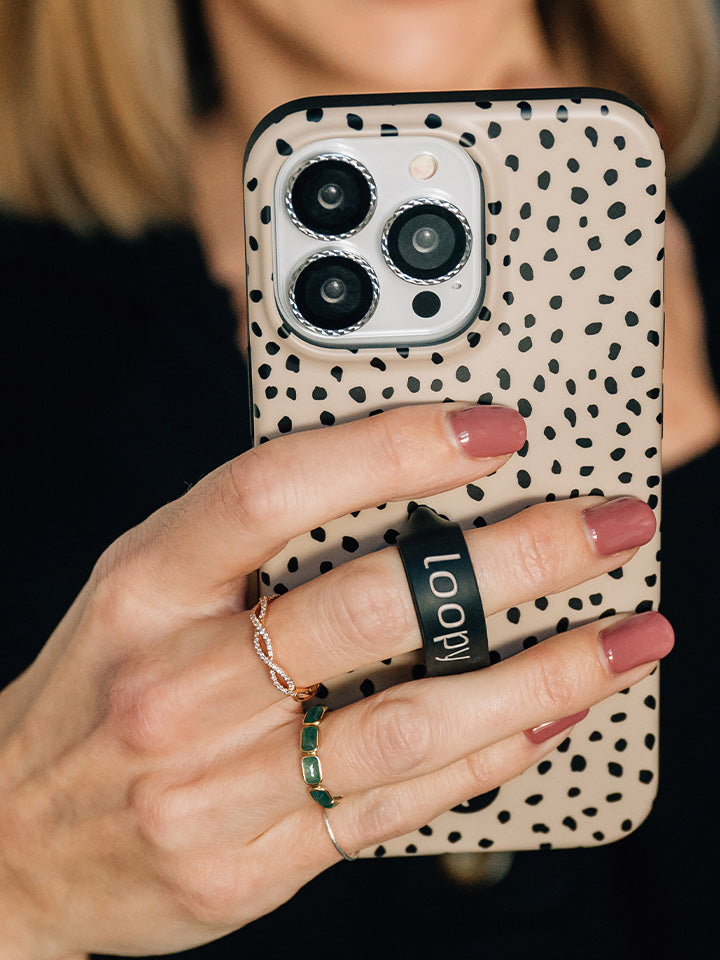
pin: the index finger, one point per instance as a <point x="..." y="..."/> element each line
<point x="247" y="510"/>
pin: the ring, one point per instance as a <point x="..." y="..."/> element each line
<point x="282" y="680"/>
<point x="345" y="856"/>
<point x="445" y="594"/>
<point x="310" y="762"/>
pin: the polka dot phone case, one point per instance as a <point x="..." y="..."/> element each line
<point x="550" y="300"/>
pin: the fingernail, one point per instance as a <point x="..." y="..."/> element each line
<point x="640" y="639"/>
<point x="487" y="431"/>
<point x="619" y="525"/>
<point x="547" y="730"/>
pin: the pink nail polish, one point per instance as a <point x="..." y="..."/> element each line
<point x="640" y="639"/>
<point x="545" y="731"/>
<point x="619" y="525"/>
<point x="487" y="431"/>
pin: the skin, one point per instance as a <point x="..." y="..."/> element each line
<point x="271" y="51"/>
<point x="129" y="748"/>
<point x="137" y="803"/>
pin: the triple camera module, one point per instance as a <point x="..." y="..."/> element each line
<point x="355" y="248"/>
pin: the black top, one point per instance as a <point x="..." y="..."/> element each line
<point x="123" y="387"/>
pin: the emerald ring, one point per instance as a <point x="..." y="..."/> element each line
<point x="310" y="762"/>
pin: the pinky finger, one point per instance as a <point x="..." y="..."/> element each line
<point x="365" y="821"/>
<point x="386" y="813"/>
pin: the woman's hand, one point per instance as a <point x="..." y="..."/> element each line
<point x="149" y="770"/>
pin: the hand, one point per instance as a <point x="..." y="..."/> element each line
<point x="149" y="769"/>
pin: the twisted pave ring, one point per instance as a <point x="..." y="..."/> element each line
<point x="282" y="680"/>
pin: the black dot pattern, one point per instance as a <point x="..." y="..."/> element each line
<point x="569" y="333"/>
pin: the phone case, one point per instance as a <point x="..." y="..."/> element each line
<point x="570" y="333"/>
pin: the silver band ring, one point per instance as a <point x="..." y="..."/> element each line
<point x="345" y="856"/>
<point x="264" y="649"/>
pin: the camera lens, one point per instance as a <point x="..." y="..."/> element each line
<point x="334" y="292"/>
<point x="426" y="241"/>
<point x="331" y="197"/>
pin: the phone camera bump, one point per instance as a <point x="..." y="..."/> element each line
<point x="331" y="196"/>
<point x="426" y="241"/>
<point x="333" y="292"/>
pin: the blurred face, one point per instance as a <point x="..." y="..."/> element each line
<point x="270" y="51"/>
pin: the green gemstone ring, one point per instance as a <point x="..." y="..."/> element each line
<point x="310" y="762"/>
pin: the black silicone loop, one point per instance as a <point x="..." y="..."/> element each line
<point x="444" y="591"/>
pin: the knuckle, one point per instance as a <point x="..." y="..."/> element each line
<point x="537" y="547"/>
<point x="122" y="588"/>
<point x="480" y="772"/>
<point x="396" y="737"/>
<point x="138" y="711"/>
<point x="113" y="590"/>
<point x="256" y="488"/>
<point x="154" y="811"/>
<point x="115" y="613"/>
<point x="118" y="556"/>
<point x="553" y="684"/>
<point x="212" y="889"/>
<point x="207" y="888"/>
<point x="383" y="816"/>
<point x="366" y="608"/>
<point x="398" y="446"/>
<point x="394" y="444"/>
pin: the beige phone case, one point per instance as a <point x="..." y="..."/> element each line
<point x="570" y="333"/>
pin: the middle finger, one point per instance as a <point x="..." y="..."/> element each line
<point x="362" y="612"/>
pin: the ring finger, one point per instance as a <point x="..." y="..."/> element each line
<point x="362" y="612"/>
<point x="439" y="731"/>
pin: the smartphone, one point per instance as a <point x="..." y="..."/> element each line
<point x="495" y="247"/>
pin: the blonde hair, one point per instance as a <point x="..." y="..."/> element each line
<point x="95" y="102"/>
<point x="94" y="119"/>
<point x="664" y="54"/>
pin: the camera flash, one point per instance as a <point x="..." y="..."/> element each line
<point x="423" y="166"/>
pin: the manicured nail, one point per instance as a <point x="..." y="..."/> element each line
<point x="487" y="431"/>
<point x="640" y="639"/>
<point x="547" y="730"/>
<point x="619" y="525"/>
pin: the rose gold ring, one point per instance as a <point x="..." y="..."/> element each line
<point x="264" y="649"/>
